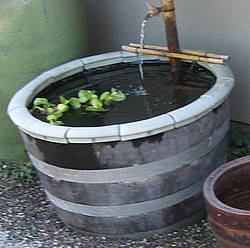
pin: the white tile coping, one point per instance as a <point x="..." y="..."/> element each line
<point x="93" y="134"/>
<point x="17" y="108"/>
<point x="148" y="127"/>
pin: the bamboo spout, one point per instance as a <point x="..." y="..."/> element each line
<point x="168" y="10"/>
<point x="153" y="11"/>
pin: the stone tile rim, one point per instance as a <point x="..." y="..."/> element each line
<point x="223" y="71"/>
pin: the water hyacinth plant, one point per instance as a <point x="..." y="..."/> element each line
<point x="86" y="99"/>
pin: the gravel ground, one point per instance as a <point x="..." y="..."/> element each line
<point x="29" y="221"/>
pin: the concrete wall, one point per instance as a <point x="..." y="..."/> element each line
<point x="214" y="26"/>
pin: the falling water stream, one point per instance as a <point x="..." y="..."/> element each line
<point x="142" y="37"/>
<point x="141" y="89"/>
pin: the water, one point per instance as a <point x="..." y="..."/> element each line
<point x="142" y="38"/>
<point x="158" y="96"/>
<point x="140" y="91"/>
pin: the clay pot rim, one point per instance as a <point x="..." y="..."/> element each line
<point x="208" y="188"/>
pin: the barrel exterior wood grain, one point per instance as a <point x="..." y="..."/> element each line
<point x="226" y="191"/>
<point x="127" y="180"/>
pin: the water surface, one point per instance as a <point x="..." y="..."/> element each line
<point x="155" y="95"/>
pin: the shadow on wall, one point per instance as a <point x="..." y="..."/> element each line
<point x="112" y="24"/>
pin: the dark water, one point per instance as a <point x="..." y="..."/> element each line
<point x="157" y="94"/>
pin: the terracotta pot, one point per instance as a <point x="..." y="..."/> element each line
<point x="227" y="194"/>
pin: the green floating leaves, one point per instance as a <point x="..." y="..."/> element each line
<point x="56" y="122"/>
<point x="84" y="95"/>
<point x="51" y="117"/>
<point x="63" y="100"/>
<point x="104" y="96"/>
<point x="62" y="107"/>
<point x="39" y="108"/>
<point x="50" y="110"/>
<point x="40" y="101"/>
<point x="118" y="96"/>
<point x="95" y="102"/>
<point x="86" y="99"/>
<point x="92" y="108"/>
<point x="75" y="103"/>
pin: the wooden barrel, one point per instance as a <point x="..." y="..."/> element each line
<point x="227" y="194"/>
<point x="133" y="179"/>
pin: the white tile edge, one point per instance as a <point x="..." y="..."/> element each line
<point x="93" y="134"/>
<point x="148" y="127"/>
<point x="223" y="74"/>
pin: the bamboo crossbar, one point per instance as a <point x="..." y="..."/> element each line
<point x="173" y="55"/>
<point x="183" y="51"/>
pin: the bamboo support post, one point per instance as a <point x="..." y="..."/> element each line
<point x="184" y="51"/>
<point x="168" y="11"/>
<point x="171" y="31"/>
<point x="174" y="55"/>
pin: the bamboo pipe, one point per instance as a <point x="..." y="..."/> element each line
<point x="174" y="55"/>
<point x="184" y="51"/>
<point x="171" y="32"/>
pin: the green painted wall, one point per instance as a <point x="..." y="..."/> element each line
<point x="35" y="35"/>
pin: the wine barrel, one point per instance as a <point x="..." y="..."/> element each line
<point x="133" y="179"/>
<point x="227" y="194"/>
